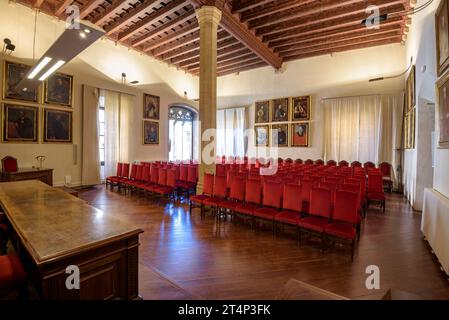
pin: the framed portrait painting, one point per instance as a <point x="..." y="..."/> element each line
<point x="410" y="90"/>
<point x="300" y="134"/>
<point x="262" y="112"/>
<point x="301" y="108"/>
<point x="280" y="110"/>
<point x="20" y="123"/>
<point x="13" y="73"/>
<point x="262" y="137"/>
<point x="57" y="126"/>
<point x="151" y="107"/>
<point x="442" y="36"/>
<point x="443" y="111"/>
<point x="279" y="135"/>
<point x="58" y="90"/>
<point x="150" y="132"/>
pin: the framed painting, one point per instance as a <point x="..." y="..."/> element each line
<point x="279" y="135"/>
<point x="13" y="73"/>
<point x="280" y="110"/>
<point x="262" y="135"/>
<point x="58" y="90"/>
<point x="442" y="36"/>
<point x="443" y="110"/>
<point x="262" y="112"/>
<point x="151" y="107"/>
<point x="300" y="134"/>
<point x="20" y="123"/>
<point x="301" y="108"/>
<point x="57" y="126"/>
<point x="412" y="128"/>
<point x="410" y="90"/>
<point x="406" y="132"/>
<point x="150" y="132"/>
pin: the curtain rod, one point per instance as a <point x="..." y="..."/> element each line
<point x="359" y="96"/>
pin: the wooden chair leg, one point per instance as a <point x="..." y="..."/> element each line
<point x="352" y="250"/>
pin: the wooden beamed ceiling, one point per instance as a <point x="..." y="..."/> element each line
<point x="252" y="33"/>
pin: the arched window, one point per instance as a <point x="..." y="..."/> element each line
<point x="181" y="133"/>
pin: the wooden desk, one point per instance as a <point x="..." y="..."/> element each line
<point x="55" y="230"/>
<point x="44" y="175"/>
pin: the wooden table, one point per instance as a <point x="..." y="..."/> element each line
<point x="44" y="175"/>
<point x="54" y="230"/>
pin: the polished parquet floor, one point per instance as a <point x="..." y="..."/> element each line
<point x="184" y="257"/>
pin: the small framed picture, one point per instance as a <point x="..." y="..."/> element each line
<point x="13" y="73"/>
<point x="301" y="108"/>
<point x="151" y="107"/>
<point x="443" y="111"/>
<point x="20" y="123"/>
<point x="410" y="89"/>
<point x="279" y="135"/>
<point x="57" y="126"/>
<point x="280" y="110"/>
<point x="262" y="135"/>
<point x="300" y="134"/>
<point x="58" y="90"/>
<point x="150" y="132"/>
<point x="262" y="112"/>
<point x="442" y="36"/>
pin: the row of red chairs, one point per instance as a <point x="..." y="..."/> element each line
<point x="320" y="209"/>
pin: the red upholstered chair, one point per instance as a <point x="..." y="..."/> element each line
<point x="192" y="179"/>
<point x="298" y="161"/>
<point x="144" y="179"/>
<point x="197" y="201"/>
<point x="369" y="164"/>
<point x="126" y="183"/>
<point x="9" y="164"/>
<point x="168" y="190"/>
<point x="138" y="179"/>
<point x="332" y="187"/>
<point x="375" y="191"/>
<point x="359" y="171"/>
<point x="220" y="194"/>
<point x="345" y="218"/>
<point x="306" y="188"/>
<point x="319" y="214"/>
<point x="236" y="196"/>
<point x="385" y="168"/>
<point x="319" y="162"/>
<point x="343" y="163"/>
<point x="253" y="196"/>
<point x="309" y="161"/>
<point x="12" y="275"/>
<point x="331" y="163"/>
<point x="356" y="164"/>
<point x="291" y="207"/>
<point x="356" y="188"/>
<point x="220" y="170"/>
<point x="272" y="202"/>
<point x="114" y="180"/>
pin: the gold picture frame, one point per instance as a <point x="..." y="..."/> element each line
<point x="20" y="123"/>
<point x="280" y="110"/>
<point x="300" y="134"/>
<point x="262" y="140"/>
<point x="282" y="137"/>
<point x="58" y="126"/>
<point x="410" y="90"/>
<point x="262" y="111"/>
<point x="442" y="109"/>
<point x="13" y="73"/>
<point x="442" y="36"/>
<point x="150" y="132"/>
<point x="58" y="90"/>
<point x="301" y="108"/>
<point x="151" y="107"/>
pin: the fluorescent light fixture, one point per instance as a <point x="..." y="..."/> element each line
<point x="55" y="67"/>
<point x="39" y="67"/>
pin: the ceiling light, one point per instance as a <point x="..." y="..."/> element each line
<point x="55" y="67"/>
<point x="82" y="35"/>
<point x="39" y="67"/>
<point x="87" y="31"/>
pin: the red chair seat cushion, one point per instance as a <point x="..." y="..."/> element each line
<point x="314" y="223"/>
<point x="231" y="205"/>
<point x="341" y="230"/>
<point x="213" y="201"/>
<point x="376" y="196"/>
<point x="164" y="190"/>
<point x="247" y="208"/>
<point x="266" y="213"/>
<point x="11" y="271"/>
<point x="289" y="217"/>
<point x="199" y="199"/>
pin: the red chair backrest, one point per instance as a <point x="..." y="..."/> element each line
<point x="320" y="202"/>
<point x="385" y="168"/>
<point x="272" y="194"/>
<point x="331" y="163"/>
<point x="125" y="170"/>
<point x="253" y="191"/>
<point x="146" y="173"/>
<point x="154" y="174"/>
<point x="346" y="207"/>
<point x="291" y="200"/>
<point x="183" y="172"/>
<point x="139" y="172"/>
<point x="9" y="164"/>
<point x="305" y="190"/>
<point x="192" y="174"/>
<point x="343" y="163"/>
<point x="309" y="161"/>
<point x="220" y="187"/>
<point x="220" y="170"/>
<point x="356" y="164"/>
<point x="375" y="183"/>
<point x="238" y="189"/>
<point x="208" y="184"/>
<point x="171" y="177"/>
<point x="369" y="164"/>
<point x="119" y="169"/>
<point x="133" y="171"/>
<point x="353" y="187"/>
<point x="319" y="162"/>
<point x="332" y="187"/>
<point x="162" y="179"/>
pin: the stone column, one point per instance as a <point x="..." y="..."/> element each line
<point x="208" y="19"/>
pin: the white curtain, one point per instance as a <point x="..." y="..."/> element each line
<point x="239" y="129"/>
<point x="126" y="104"/>
<point x="111" y="131"/>
<point x="231" y="124"/>
<point x="221" y="128"/>
<point x="229" y="136"/>
<point x="366" y="128"/>
<point x="90" y="172"/>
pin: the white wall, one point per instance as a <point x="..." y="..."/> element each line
<point x="342" y="74"/>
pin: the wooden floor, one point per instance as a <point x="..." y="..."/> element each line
<point x="184" y="257"/>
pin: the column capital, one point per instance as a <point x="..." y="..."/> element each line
<point x="207" y="14"/>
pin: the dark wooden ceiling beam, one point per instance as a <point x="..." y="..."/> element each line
<point x="132" y="14"/>
<point x="273" y="8"/>
<point x="176" y="44"/>
<point x="321" y="26"/>
<point x="172" y="36"/>
<point x="60" y="10"/>
<point x="89" y="7"/>
<point x="232" y="64"/>
<point x="231" y="49"/>
<point x="152" y="18"/>
<point x="229" y="59"/>
<point x="241" y="69"/>
<point x="391" y="24"/>
<point x="248" y="5"/>
<point x="110" y="12"/>
<point x="225" y="57"/>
